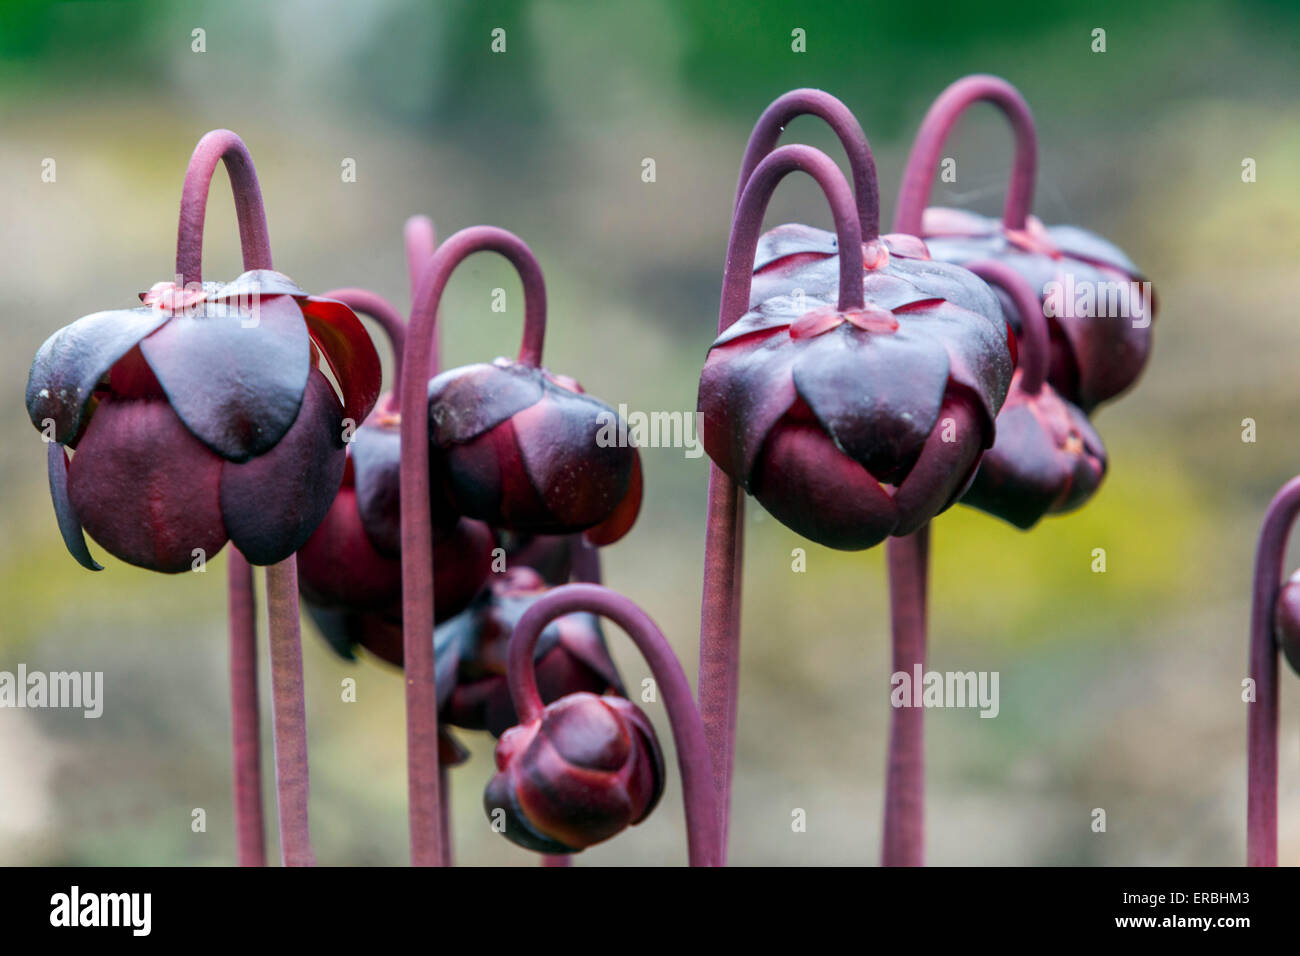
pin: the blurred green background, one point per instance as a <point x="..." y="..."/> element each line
<point x="1118" y="690"/>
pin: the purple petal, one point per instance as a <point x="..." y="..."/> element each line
<point x="272" y="503"/>
<point x="69" y="525"/>
<point x="237" y="387"/>
<point x="744" y="389"/>
<point x="145" y="488"/>
<point x="73" y="360"/>
<point x="349" y="352"/>
<point x="877" y="394"/>
<point x="465" y="402"/>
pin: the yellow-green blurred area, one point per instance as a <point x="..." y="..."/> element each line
<point x="1119" y="690"/>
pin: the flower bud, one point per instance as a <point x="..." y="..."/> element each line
<point x="585" y="770"/>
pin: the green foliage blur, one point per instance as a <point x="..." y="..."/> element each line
<point x="1118" y="690"/>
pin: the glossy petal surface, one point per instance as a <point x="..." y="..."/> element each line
<point x="234" y="374"/>
<point x="71" y="362"/>
<point x="273" y="503"/>
<point x="145" y="488"/>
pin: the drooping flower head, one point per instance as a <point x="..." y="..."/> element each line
<point x="584" y="771"/>
<point x="1098" y="304"/>
<point x="1047" y="458"/>
<point x="201" y="417"/>
<point x="580" y="769"/>
<point x="851" y="395"/>
<point x="521" y="447"/>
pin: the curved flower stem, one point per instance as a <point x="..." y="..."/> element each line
<point x="903" y="841"/>
<point x="702" y="813"/>
<point x="1261" y="719"/>
<point x="289" y="713"/>
<point x="918" y="175"/>
<point x="254" y="239"/>
<point x="421" y="240"/>
<point x="218" y="145"/>
<point x="385" y="313"/>
<point x="250" y="829"/>
<point x="1033" y="324"/>
<point x="719" y="688"/>
<point x="806" y="102"/>
<point x="417" y="537"/>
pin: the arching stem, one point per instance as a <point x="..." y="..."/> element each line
<point x="281" y="580"/>
<point x="1262" y="716"/>
<point x="1033" y="339"/>
<point x="255" y="241"/>
<point x="417" y="537"/>
<point x="703" y="817"/>
<point x="918" y="175"/>
<point x="806" y="102"/>
<point x="719" y="689"/>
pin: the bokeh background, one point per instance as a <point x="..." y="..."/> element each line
<point x="1119" y="690"/>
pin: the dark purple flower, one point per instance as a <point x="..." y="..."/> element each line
<point x="853" y="426"/>
<point x="1100" y="325"/>
<point x="1099" y="306"/>
<point x="521" y="448"/>
<point x="470" y="649"/>
<point x="1047" y="458"/>
<point x="352" y="561"/>
<point x="1286" y="620"/>
<point x="587" y="769"/>
<point x="201" y="417"/>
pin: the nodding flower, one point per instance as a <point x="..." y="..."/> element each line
<point x="201" y="417"/>
<point x="1100" y="306"/>
<point x="1047" y="458"/>
<point x="852" y="395"/>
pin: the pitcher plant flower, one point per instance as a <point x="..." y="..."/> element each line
<point x="1095" y="355"/>
<point x="202" y="417"/>
<point x="513" y="445"/>
<point x="851" y="395"/>
<point x="1090" y="360"/>
<point x="1047" y="458"/>
<point x="583" y="768"/>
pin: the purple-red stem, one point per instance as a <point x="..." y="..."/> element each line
<point x="719" y="689"/>
<point x="289" y="713"/>
<point x="767" y="132"/>
<point x="1262" y="716"/>
<point x="1033" y="340"/>
<point x="918" y="175"/>
<point x="224" y="146"/>
<point x="703" y="818"/>
<point x="903" y="841"/>
<point x="421" y="239"/>
<point x="246" y="747"/>
<point x="417" y="538"/>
